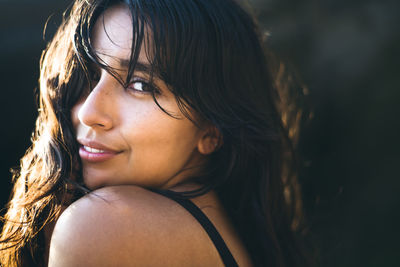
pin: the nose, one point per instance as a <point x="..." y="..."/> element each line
<point x="95" y="110"/>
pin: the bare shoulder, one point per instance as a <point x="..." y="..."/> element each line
<point x="113" y="226"/>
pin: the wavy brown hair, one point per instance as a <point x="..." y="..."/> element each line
<point x="211" y="55"/>
<point x="45" y="179"/>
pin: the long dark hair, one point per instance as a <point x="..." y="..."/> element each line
<point x="210" y="54"/>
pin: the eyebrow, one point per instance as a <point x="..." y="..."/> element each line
<point x="139" y="66"/>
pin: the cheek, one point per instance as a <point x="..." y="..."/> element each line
<point x="154" y="132"/>
<point x="158" y="128"/>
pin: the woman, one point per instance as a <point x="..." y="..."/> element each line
<point x="145" y="104"/>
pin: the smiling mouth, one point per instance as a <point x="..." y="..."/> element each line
<point x="94" y="155"/>
<point x="93" y="150"/>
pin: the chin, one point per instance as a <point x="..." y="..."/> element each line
<point x="94" y="183"/>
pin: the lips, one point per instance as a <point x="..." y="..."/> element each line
<point x="94" y="152"/>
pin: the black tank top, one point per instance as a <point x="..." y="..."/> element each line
<point x="212" y="232"/>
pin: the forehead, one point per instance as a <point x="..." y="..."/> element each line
<point x="112" y="33"/>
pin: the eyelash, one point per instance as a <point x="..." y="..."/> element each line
<point x="151" y="87"/>
<point x="95" y="77"/>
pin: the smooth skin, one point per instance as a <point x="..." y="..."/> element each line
<point x="152" y="147"/>
<point x="121" y="223"/>
<point x="131" y="226"/>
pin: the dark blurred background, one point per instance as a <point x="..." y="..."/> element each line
<point x="346" y="53"/>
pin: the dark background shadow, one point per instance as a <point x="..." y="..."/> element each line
<point x="346" y="53"/>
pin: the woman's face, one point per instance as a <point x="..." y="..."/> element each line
<point x="126" y="138"/>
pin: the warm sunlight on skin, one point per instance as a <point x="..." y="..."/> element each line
<point x="127" y="138"/>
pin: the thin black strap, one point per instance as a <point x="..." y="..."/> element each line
<point x="212" y="232"/>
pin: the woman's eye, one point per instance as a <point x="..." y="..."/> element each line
<point x="142" y="87"/>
